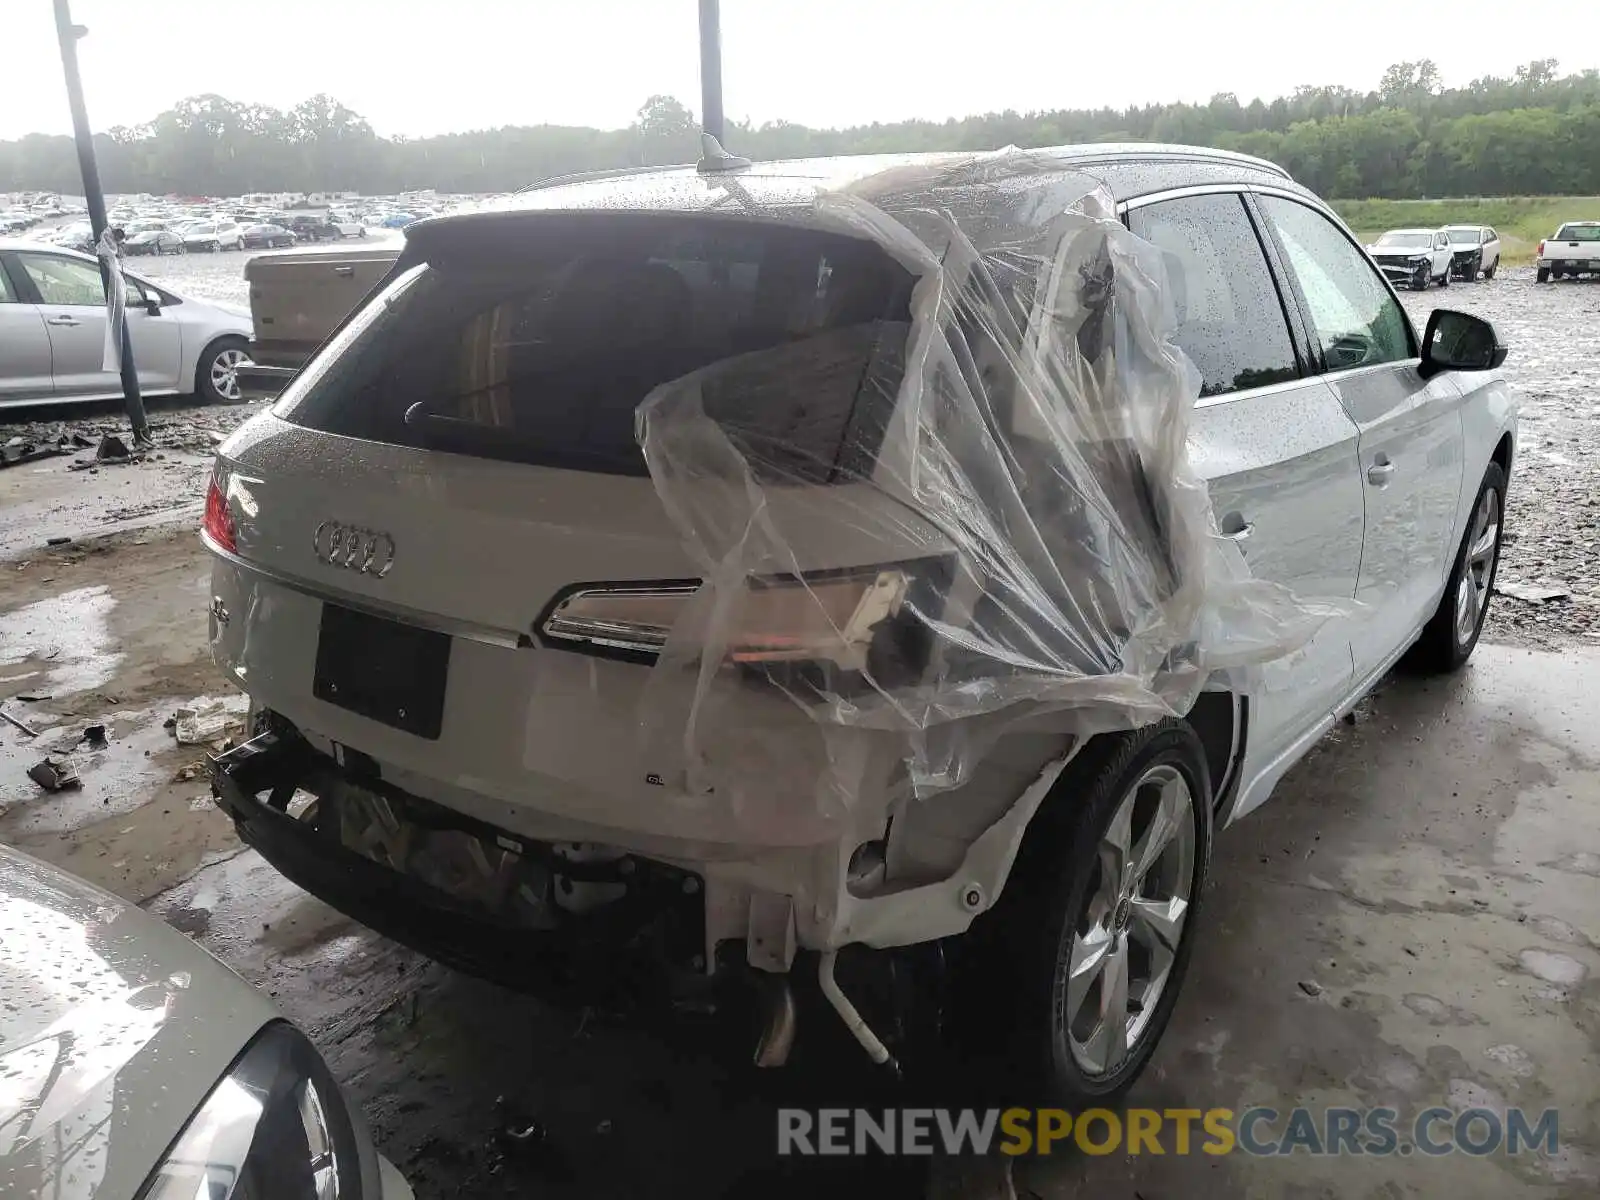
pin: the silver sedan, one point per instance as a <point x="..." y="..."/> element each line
<point x="53" y="330"/>
<point x="135" y="1064"/>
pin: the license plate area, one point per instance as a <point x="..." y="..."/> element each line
<point x="383" y="670"/>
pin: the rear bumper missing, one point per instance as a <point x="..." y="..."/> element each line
<point x="648" y="941"/>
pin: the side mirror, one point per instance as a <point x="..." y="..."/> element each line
<point x="1458" y="341"/>
<point x="152" y="304"/>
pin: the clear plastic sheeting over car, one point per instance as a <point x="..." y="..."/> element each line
<point x="1017" y="450"/>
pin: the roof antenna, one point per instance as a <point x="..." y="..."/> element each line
<point x="712" y="156"/>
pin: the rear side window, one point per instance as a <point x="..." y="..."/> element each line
<point x="1231" y="322"/>
<point x="1579" y="233"/>
<point x="542" y="354"/>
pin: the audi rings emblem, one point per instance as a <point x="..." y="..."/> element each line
<point x="364" y="550"/>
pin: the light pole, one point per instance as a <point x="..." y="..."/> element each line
<point x="68" y="34"/>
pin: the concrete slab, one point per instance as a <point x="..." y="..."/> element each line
<point x="1435" y="871"/>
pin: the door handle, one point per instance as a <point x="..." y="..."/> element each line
<point x="344" y="272"/>
<point x="1380" y="470"/>
<point x="1235" y="528"/>
<point x="66" y="321"/>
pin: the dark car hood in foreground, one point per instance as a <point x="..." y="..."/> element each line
<point x="113" y="1028"/>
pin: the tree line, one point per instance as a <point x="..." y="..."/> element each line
<point x="1537" y="132"/>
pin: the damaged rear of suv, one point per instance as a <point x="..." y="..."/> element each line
<point x="690" y="576"/>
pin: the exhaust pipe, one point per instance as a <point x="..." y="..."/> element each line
<point x="778" y="1012"/>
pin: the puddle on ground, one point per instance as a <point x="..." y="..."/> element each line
<point x="1513" y="1058"/>
<point x="60" y="644"/>
<point x="1552" y="967"/>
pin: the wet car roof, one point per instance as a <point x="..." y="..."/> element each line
<point x="1127" y="170"/>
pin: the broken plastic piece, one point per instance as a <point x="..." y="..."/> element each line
<point x="112" y="450"/>
<point x="1532" y="592"/>
<point x="95" y="735"/>
<point x="53" y="774"/>
<point x="195" y="726"/>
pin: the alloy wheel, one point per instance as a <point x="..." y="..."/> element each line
<point x="225" y="372"/>
<point x="1126" y="940"/>
<point x="1477" y="571"/>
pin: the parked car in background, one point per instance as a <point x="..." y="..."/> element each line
<point x="309" y="228"/>
<point x="1573" y="250"/>
<point x="451" y="705"/>
<point x="77" y="236"/>
<point x="214" y="235"/>
<point x="153" y="241"/>
<point x="296" y="300"/>
<point x="1414" y="257"/>
<point x="347" y="224"/>
<point x="53" y="329"/>
<point x="398" y="220"/>
<point x="1474" y="251"/>
<point x="138" y="1067"/>
<point x="267" y="237"/>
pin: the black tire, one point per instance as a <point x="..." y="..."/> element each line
<point x="1444" y="280"/>
<point x="1014" y="981"/>
<point x="1542" y="275"/>
<point x="1442" y="646"/>
<point x="1488" y="272"/>
<point x="203" y="385"/>
<point x="213" y="247"/>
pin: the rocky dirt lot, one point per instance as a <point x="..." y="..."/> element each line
<point x="1553" y="519"/>
<point x="108" y="627"/>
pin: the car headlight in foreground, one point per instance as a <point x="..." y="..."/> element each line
<point x="275" y="1128"/>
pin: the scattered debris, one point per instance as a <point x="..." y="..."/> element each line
<point x="95" y="735"/>
<point x="188" y="773"/>
<point x="171" y="722"/>
<point x="195" y="726"/>
<point x="53" y="774"/>
<point x="1532" y="592"/>
<point x="1311" y="987"/>
<point x="113" y="450"/>
<point x="9" y="719"/>
<point x="31" y="698"/>
<point x="19" y="449"/>
<point x="57" y="541"/>
<point x="515" y="1128"/>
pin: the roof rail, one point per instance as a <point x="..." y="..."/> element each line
<point x="589" y="176"/>
<point x="1090" y="151"/>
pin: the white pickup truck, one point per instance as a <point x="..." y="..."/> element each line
<point x="1574" y="250"/>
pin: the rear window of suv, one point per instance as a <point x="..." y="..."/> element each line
<point x="536" y="341"/>
<point x="1579" y="233"/>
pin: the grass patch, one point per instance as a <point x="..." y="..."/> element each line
<point x="1519" y="220"/>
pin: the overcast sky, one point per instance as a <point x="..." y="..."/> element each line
<point x="421" y="67"/>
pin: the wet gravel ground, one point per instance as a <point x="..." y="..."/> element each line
<point x="1553" y="514"/>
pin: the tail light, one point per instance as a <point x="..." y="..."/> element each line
<point x="1540" y="253"/>
<point x="218" y="523"/>
<point x="831" y="618"/>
